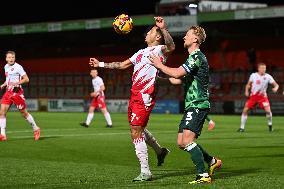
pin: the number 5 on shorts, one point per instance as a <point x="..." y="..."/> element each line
<point x="188" y="117"/>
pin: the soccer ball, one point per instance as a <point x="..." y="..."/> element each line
<point x="122" y="24"/>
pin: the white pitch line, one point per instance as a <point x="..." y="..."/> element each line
<point x="30" y="130"/>
<point x="80" y="135"/>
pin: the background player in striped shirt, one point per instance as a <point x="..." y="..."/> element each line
<point x="257" y="84"/>
<point x="143" y="92"/>
<point x="98" y="100"/>
<point x="15" y="77"/>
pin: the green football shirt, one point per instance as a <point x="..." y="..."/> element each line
<point x="196" y="81"/>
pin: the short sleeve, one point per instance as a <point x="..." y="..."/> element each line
<point x="191" y="65"/>
<point x="271" y="80"/>
<point x="100" y="81"/>
<point x="251" y="78"/>
<point x="133" y="58"/>
<point x="21" y="71"/>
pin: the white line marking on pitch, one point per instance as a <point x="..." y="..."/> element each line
<point x="79" y="135"/>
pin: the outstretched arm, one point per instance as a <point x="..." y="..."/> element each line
<point x="112" y="65"/>
<point x="170" y="45"/>
<point x="172" y="72"/>
<point x="172" y="80"/>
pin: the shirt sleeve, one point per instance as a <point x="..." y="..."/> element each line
<point x="251" y="78"/>
<point x="133" y="58"/>
<point x="191" y="65"/>
<point x="101" y="82"/>
<point x="271" y="80"/>
<point x="21" y="71"/>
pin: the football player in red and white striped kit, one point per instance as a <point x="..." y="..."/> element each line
<point x="142" y="98"/>
<point x="257" y="84"/>
<point x="15" y="77"/>
<point x="98" y="100"/>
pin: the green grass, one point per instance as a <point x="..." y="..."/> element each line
<point x="69" y="156"/>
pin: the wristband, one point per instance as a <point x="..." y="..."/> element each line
<point x="101" y="64"/>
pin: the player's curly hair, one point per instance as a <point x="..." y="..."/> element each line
<point x="199" y="32"/>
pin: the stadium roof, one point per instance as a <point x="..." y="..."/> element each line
<point x="20" y="12"/>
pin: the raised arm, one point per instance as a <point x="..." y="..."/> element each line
<point x="169" y="42"/>
<point x="112" y="65"/>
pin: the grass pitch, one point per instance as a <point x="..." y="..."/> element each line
<point x="70" y="156"/>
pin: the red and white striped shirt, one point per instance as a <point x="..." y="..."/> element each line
<point x="260" y="83"/>
<point x="13" y="74"/>
<point x="144" y="74"/>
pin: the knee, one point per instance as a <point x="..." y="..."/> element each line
<point x="136" y="132"/>
<point x="268" y="114"/>
<point x="24" y="114"/>
<point x="2" y="114"/>
<point x="245" y="112"/>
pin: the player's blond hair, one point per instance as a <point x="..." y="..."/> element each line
<point x="11" y="52"/>
<point x="199" y="32"/>
<point x="261" y="64"/>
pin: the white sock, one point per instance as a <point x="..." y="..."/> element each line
<point x="108" y="118"/>
<point x="243" y="121"/>
<point x="3" y="126"/>
<point x="151" y="141"/>
<point x="142" y="154"/>
<point x="204" y="175"/>
<point x="89" y="118"/>
<point x="269" y="118"/>
<point x="213" y="161"/>
<point x="31" y="121"/>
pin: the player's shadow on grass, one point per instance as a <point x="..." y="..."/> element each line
<point x="263" y="155"/>
<point x="32" y="138"/>
<point x="48" y="137"/>
<point x="229" y="138"/>
<point x="223" y="173"/>
<point x="260" y="147"/>
<point x="227" y="173"/>
<point x="160" y="174"/>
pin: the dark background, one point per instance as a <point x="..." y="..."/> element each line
<point x="18" y="12"/>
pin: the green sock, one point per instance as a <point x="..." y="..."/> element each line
<point x="196" y="157"/>
<point x="206" y="156"/>
<point x="208" y="118"/>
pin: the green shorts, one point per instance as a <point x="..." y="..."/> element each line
<point x="193" y="119"/>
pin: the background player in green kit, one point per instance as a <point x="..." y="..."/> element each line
<point x="196" y="80"/>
